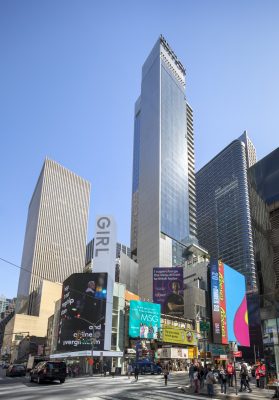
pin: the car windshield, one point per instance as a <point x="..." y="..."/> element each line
<point x="55" y="365"/>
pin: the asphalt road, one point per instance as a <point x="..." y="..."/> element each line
<point x="108" y="388"/>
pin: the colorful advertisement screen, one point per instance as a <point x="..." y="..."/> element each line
<point x="144" y="320"/>
<point x="168" y="290"/>
<point x="82" y="313"/>
<point x="229" y="305"/>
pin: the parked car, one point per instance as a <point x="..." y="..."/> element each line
<point x="16" y="370"/>
<point x="6" y="366"/>
<point x="147" y="367"/>
<point x="49" y="371"/>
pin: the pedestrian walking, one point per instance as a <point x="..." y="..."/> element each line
<point x="166" y="375"/>
<point x="136" y="371"/>
<point x="105" y="369"/>
<point x="244" y="378"/>
<point x="257" y="374"/>
<point x="112" y="370"/>
<point x="230" y="373"/>
<point x="191" y="374"/>
<point x="223" y="379"/>
<point x="196" y="379"/>
<point x="262" y="372"/>
<point x="201" y="375"/>
<point x="209" y="381"/>
<point x="129" y="370"/>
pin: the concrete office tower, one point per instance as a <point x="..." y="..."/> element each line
<point x="163" y="189"/>
<point x="223" y="211"/>
<point x="56" y="230"/>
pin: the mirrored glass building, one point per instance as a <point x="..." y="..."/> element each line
<point x="163" y="188"/>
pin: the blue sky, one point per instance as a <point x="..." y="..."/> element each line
<point x="70" y="73"/>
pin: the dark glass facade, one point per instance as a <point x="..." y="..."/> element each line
<point x="264" y="198"/>
<point x="223" y="212"/>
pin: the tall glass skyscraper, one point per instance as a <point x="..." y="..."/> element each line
<point x="263" y="178"/>
<point x="163" y="189"/>
<point x="223" y="210"/>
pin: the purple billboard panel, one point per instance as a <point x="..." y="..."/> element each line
<point x="168" y="290"/>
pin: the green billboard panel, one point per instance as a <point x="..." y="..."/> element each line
<point x="145" y="320"/>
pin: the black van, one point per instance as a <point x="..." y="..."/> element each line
<point x="49" y="371"/>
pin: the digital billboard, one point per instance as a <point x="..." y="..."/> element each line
<point x="82" y="313"/>
<point x="144" y="320"/>
<point x="229" y="305"/>
<point x="168" y="290"/>
<point x="179" y="335"/>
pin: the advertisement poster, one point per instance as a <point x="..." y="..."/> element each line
<point x="223" y="311"/>
<point x="229" y="305"/>
<point x="178" y="335"/>
<point x="144" y="320"/>
<point x="215" y="296"/>
<point x="168" y="290"/>
<point x="237" y="311"/>
<point x="83" y="311"/>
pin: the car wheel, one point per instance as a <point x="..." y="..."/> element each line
<point x="62" y="380"/>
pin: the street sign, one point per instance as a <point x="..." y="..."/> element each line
<point x="233" y="346"/>
<point x="204" y="326"/>
<point x="237" y="354"/>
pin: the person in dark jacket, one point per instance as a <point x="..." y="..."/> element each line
<point x="244" y="378"/>
<point x="136" y="372"/>
<point x="223" y="379"/>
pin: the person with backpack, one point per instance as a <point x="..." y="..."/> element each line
<point x="210" y="380"/>
<point x="223" y="379"/>
<point x="244" y="378"/>
<point x="230" y="373"/>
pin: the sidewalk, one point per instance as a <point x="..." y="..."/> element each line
<point x="256" y="393"/>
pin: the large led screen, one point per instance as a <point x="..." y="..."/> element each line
<point x="144" y="320"/>
<point x="168" y="290"/>
<point x="82" y="313"/>
<point x="229" y="305"/>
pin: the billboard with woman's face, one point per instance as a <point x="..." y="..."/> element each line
<point x="83" y="311"/>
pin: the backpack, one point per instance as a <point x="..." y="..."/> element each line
<point x="230" y="369"/>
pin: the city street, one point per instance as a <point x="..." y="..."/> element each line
<point x="108" y="388"/>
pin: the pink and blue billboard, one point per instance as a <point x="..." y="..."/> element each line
<point x="229" y="305"/>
